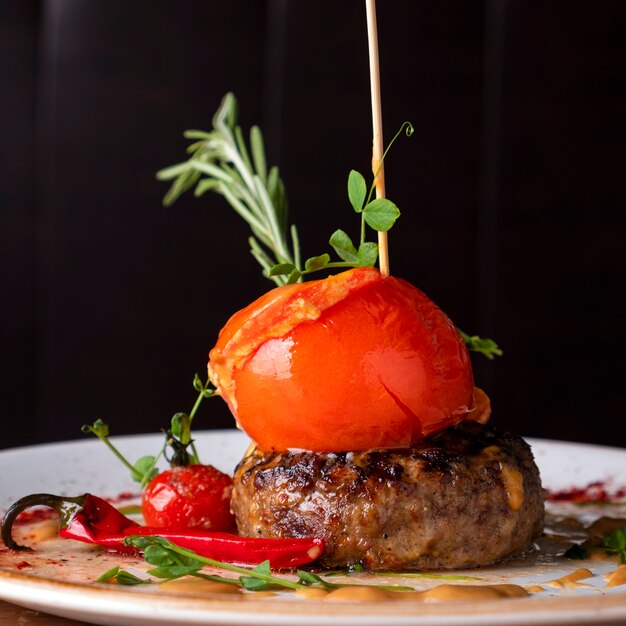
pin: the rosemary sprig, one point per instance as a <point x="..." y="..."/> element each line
<point x="220" y="162"/>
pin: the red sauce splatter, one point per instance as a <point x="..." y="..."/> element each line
<point x="598" y="491"/>
<point x="22" y="565"/>
<point x="122" y="497"/>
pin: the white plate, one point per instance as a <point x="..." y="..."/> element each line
<point x="86" y="465"/>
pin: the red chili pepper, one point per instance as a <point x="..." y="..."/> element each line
<point x="93" y="520"/>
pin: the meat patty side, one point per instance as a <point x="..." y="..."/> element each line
<point x="466" y="497"/>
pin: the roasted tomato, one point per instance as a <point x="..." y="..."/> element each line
<point x="189" y="496"/>
<point x="352" y="362"/>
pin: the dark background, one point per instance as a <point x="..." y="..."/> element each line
<point x="511" y="188"/>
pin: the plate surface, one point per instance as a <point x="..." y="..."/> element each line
<point x="86" y="465"/>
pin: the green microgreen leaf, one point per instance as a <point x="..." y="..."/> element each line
<point x="258" y="584"/>
<point x="176" y="424"/>
<point x="140" y="542"/>
<point x="354" y="568"/>
<point x="381" y="214"/>
<point x="253" y="584"/>
<point x="108" y="575"/>
<point x="294" y="276"/>
<point x="146" y="468"/>
<point x="263" y="568"/>
<point x="122" y="577"/>
<point x="178" y="437"/>
<point x="487" y="347"/>
<point x="317" y="263"/>
<point x="218" y="579"/>
<point x="309" y="578"/>
<point x="198" y="385"/>
<point x="343" y="246"/>
<point x="168" y="564"/>
<point x="357" y="190"/>
<point x="289" y="270"/>
<point x="282" y="269"/>
<point x="126" y="578"/>
<point x="367" y="254"/>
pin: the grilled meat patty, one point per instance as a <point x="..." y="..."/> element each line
<point x="466" y="497"/>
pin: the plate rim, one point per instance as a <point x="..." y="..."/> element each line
<point x="17" y="587"/>
<point x="164" y="606"/>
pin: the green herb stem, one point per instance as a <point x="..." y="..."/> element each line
<point x="195" y="407"/>
<point x="330" y="265"/>
<point x="121" y="457"/>
<point x="100" y="430"/>
<point x="427" y="575"/>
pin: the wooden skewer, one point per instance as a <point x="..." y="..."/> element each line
<point x="377" y="121"/>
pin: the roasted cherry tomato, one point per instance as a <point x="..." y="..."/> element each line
<point x="189" y="496"/>
<point x="352" y="362"/>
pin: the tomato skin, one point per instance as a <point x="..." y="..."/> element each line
<point x="190" y="496"/>
<point x="354" y="362"/>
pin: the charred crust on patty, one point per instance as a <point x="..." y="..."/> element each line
<point x="465" y="497"/>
